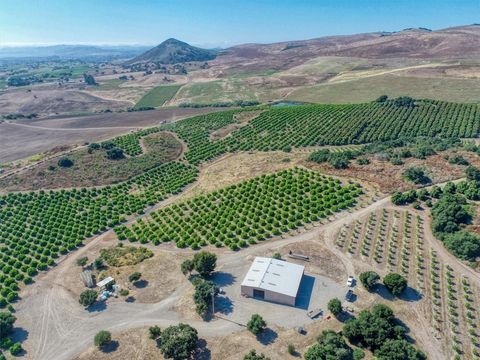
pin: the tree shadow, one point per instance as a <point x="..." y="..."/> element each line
<point x="344" y="316"/>
<point x="267" y="336"/>
<point x="381" y="290"/>
<point x="141" y="284"/>
<point x="305" y="292"/>
<point x="97" y="307"/>
<point x="110" y="347"/>
<point x="130" y="299"/>
<point x="411" y="294"/>
<point x="19" y="335"/>
<point x="223" y="279"/>
<point x="202" y="353"/>
<point x="223" y="305"/>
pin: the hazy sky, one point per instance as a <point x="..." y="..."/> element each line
<point x="217" y="22"/>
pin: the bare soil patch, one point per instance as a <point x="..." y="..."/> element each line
<point x="234" y="168"/>
<point x="49" y="100"/>
<point x="42" y="135"/>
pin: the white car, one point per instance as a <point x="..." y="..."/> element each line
<point x="350" y="281"/>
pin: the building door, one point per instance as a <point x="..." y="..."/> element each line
<point x="258" y="294"/>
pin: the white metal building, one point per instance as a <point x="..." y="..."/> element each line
<point x="273" y="280"/>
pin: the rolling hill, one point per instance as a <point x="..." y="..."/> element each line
<point x="174" y="51"/>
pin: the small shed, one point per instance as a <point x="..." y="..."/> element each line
<point x="105" y="282"/>
<point x="273" y="280"/>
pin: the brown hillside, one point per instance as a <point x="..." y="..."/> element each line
<point x="454" y="42"/>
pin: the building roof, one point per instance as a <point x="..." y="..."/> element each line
<point x="105" y="281"/>
<point x="274" y="275"/>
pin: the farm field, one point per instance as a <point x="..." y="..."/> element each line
<point x="369" y="88"/>
<point x="279" y="128"/>
<point x="37" y="228"/>
<point x="244" y="214"/>
<point x="158" y="96"/>
<point x="398" y="240"/>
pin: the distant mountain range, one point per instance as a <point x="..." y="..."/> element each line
<point x="72" y="52"/>
<point x="174" y="51"/>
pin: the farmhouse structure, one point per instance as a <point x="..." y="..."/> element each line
<point x="273" y="280"/>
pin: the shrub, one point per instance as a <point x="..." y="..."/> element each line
<point x="88" y="297"/>
<point x="369" y="279"/>
<point x="395" y="283"/>
<point x="178" y="342"/>
<point x="82" y="261"/>
<point x="363" y="161"/>
<point x="187" y="266"/>
<point x="124" y="292"/>
<point x="416" y="175"/>
<point x="291" y="349"/>
<point x="115" y="154"/>
<point x="256" y="324"/>
<point x="16" y="349"/>
<point x="252" y="355"/>
<point x="335" y="306"/>
<point x="134" y="276"/>
<point x="458" y="160"/>
<point x="102" y="338"/>
<point x="154" y="332"/>
<point x="98" y="263"/>
<point x="65" y="162"/>
<point x="382" y="99"/>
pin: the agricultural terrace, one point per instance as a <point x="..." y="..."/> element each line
<point x="37" y="227"/>
<point x="243" y="214"/>
<point x="313" y="125"/>
<point x="391" y="240"/>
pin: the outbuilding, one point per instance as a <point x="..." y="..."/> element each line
<point x="273" y="280"/>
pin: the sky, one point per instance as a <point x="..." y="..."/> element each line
<point x="217" y="23"/>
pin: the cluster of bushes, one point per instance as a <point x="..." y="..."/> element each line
<point x="6" y="326"/>
<point x="112" y="151"/>
<point x="242" y="103"/>
<point x="376" y="329"/>
<point x="416" y="175"/>
<point x="450" y="212"/>
<point x="140" y="108"/>
<point x="379" y="331"/>
<point x="339" y="160"/>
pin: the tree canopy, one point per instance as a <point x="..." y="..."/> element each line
<point x="369" y="279"/>
<point x="88" y="297"/>
<point x="6" y="323"/>
<point x="256" y="324"/>
<point x="335" y="306"/>
<point x="178" y="342"/>
<point x="204" y="262"/>
<point x="330" y="345"/>
<point x="373" y="327"/>
<point x="395" y="283"/>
